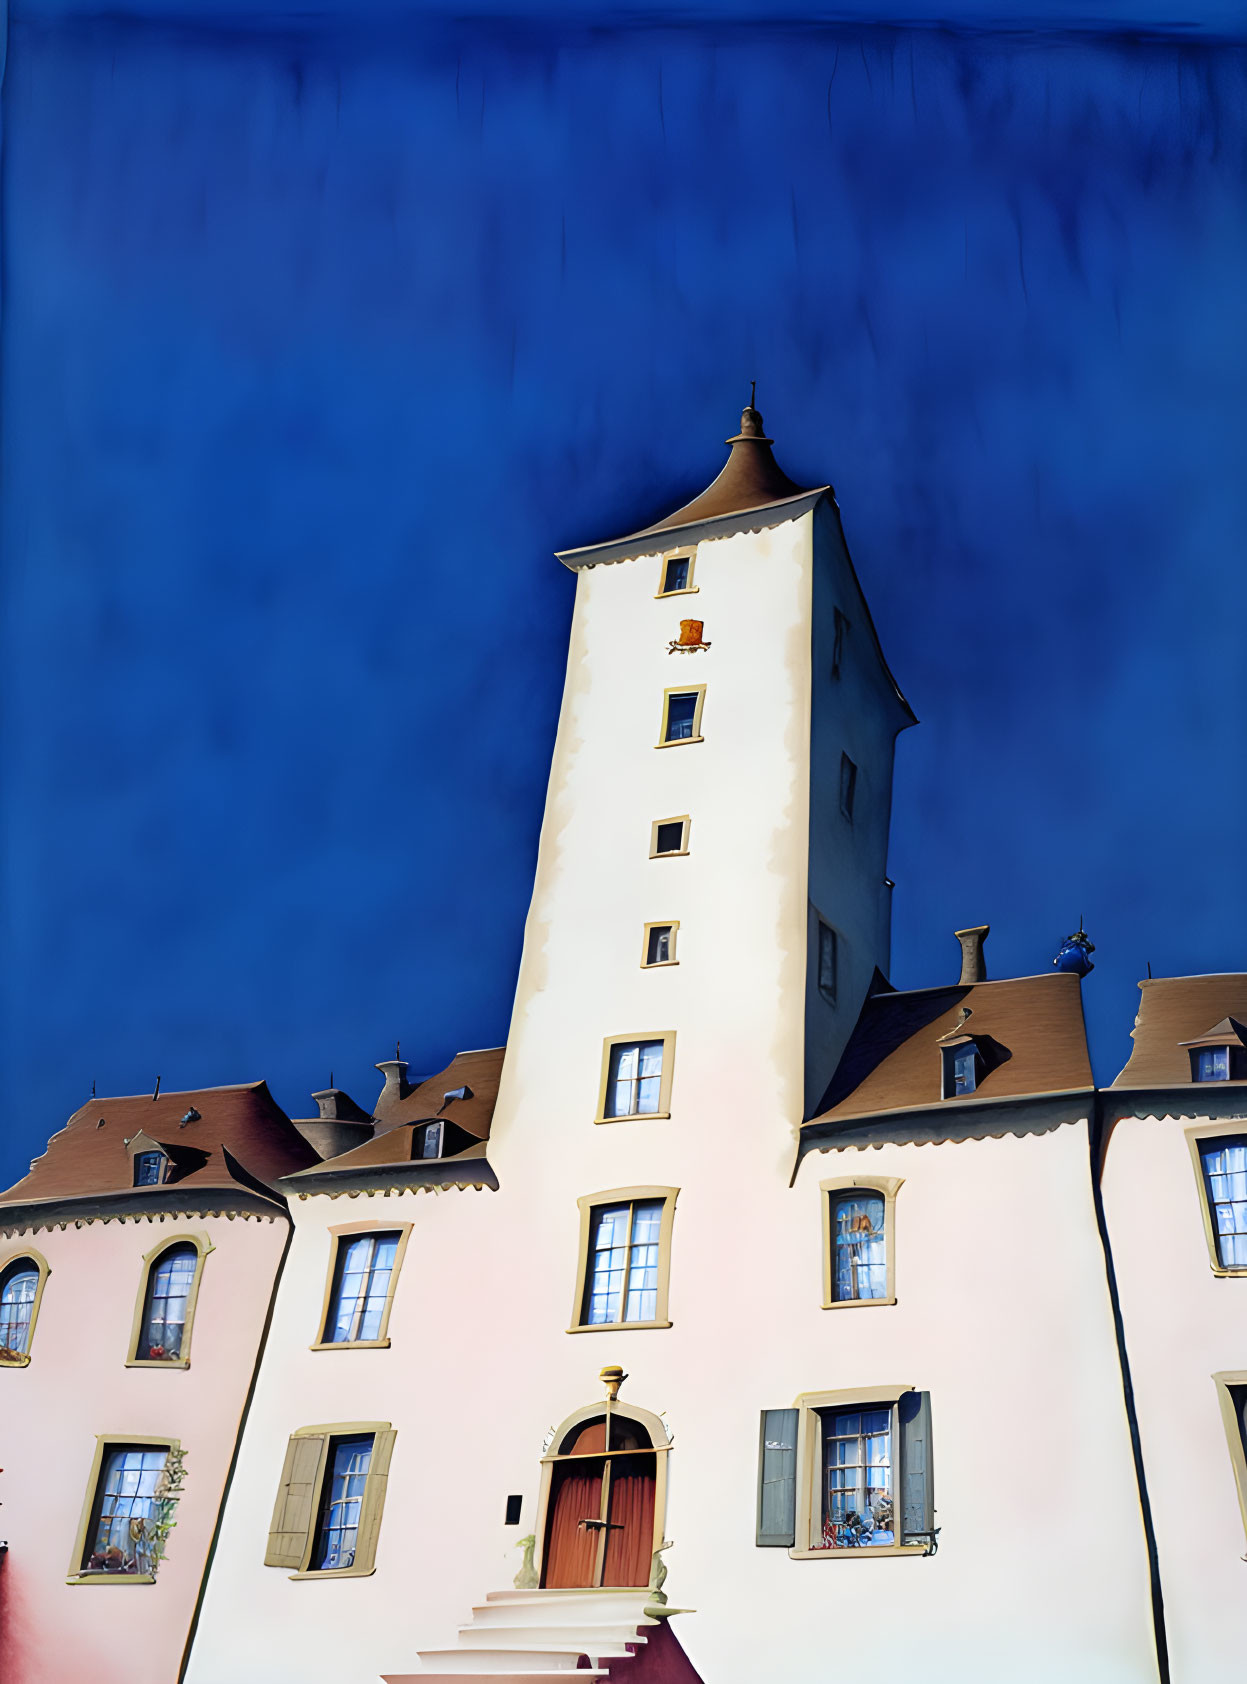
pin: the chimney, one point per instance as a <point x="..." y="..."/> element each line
<point x="396" y="1084"/>
<point x="973" y="965"/>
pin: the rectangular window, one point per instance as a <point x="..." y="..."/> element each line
<point x="837" y="648"/>
<point x="634" y="1086"/>
<point x="828" y="962"/>
<point x="625" y="1258"/>
<point x="961" y="1070"/>
<point x="858" y="1499"/>
<point x="342" y="1499"/>
<point x="681" y="716"/>
<point x="848" y="785"/>
<point x="360" y="1297"/>
<point x="659" y="946"/>
<point x="677" y="574"/>
<point x="859" y="1267"/>
<point x="148" y="1169"/>
<point x="431" y="1140"/>
<point x="121" y="1534"/>
<point x="1224" y="1164"/>
<point x="169" y="1282"/>
<point x="668" y="836"/>
<point x="1232" y="1396"/>
<point x="1210" y="1064"/>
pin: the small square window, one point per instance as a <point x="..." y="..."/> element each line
<point x="1210" y="1064"/>
<point x="837" y="648"/>
<point x="828" y="962"/>
<point x="149" y="1169"/>
<point x="677" y="574"/>
<point x="682" y="716"/>
<point x="431" y="1140"/>
<point x="848" y="785"/>
<point x="962" y="1068"/>
<point x="668" y="836"/>
<point x="660" y="944"/>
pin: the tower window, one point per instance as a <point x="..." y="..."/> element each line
<point x="659" y="944"/>
<point x="636" y="1074"/>
<point x="837" y="648"/>
<point x="848" y="785"/>
<point x="668" y="836"/>
<point x="677" y="574"/>
<point x="681" y="716"/>
<point x="828" y="962"/>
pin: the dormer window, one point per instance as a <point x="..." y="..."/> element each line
<point x="963" y="1069"/>
<point x="1220" y="1054"/>
<point x="1210" y="1064"/>
<point x="149" y="1168"/>
<point x="431" y="1140"/>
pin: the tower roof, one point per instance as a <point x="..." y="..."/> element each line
<point x="751" y="483"/>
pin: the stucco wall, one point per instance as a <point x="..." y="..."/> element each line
<point x="1183" y="1324"/>
<point x="76" y="1387"/>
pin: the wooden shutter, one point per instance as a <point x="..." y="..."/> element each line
<point x="917" y="1495"/>
<point x="374" y="1500"/>
<point x="777" y="1479"/>
<point x="294" y="1512"/>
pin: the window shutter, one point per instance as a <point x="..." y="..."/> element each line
<point x="295" y="1509"/>
<point x="917" y="1497"/>
<point x="777" y="1479"/>
<point x="374" y="1500"/>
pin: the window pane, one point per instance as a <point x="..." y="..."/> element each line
<point x="642" y="1302"/>
<point x="608" y="1242"/>
<point x="431" y="1145"/>
<point x="860" y="1257"/>
<point x="147" y="1169"/>
<point x="17" y="1303"/>
<point x="341" y="1503"/>
<point x="827" y="960"/>
<point x="857" y="1489"/>
<point x="670" y="838"/>
<point x="634" y="1081"/>
<point x="164" y="1320"/>
<point x="659" y="949"/>
<point x="680" y="712"/>
<point x="677" y="574"/>
<point x="1212" y="1064"/>
<point x="365" y="1267"/>
<point x="1225" y="1172"/>
<point x="122" y="1538"/>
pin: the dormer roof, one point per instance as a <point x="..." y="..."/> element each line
<point x="1032" y="1025"/>
<point x="227" y="1147"/>
<point x="464" y="1093"/>
<point x="751" y="491"/>
<point x="1173" y="1015"/>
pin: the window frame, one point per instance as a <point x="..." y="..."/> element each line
<point x="587" y="1204"/>
<point x="698" y="690"/>
<point x="439" y="1124"/>
<point x="1234" y="1432"/>
<point x="847" y="805"/>
<point x="821" y="924"/>
<point x="1196" y="1138"/>
<point x="203" y="1245"/>
<point x="162" y="1169"/>
<point x="648" y="964"/>
<point x="681" y="819"/>
<point x="328" y="1432"/>
<point x="667" y="1037"/>
<point x="688" y="554"/>
<point x="885" y="1186"/>
<point x="840" y="627"/>
<point x="104" y="1442"/>
<point x="346" y="1231"/>
<point x="21" y="1254"/>
<point x="809" y="1460"/>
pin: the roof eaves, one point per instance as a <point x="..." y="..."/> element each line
<point x="653" y="540"/>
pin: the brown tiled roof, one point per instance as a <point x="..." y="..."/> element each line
<point x="478" y="1071"/>
<point x="1032" y="1028"/>
<point x="241" y="1139"/>
<point x="1174" y="1009"/>
<point x="751" y="480"/>
<point x="394" y="1150"/>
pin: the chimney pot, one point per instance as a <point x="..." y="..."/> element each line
<point x="973" y="965"/>
<point x="396" y="1084"/>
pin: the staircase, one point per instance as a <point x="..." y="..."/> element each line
<point x="539" y="1637"/>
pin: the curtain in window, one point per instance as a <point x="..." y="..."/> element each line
<point x="17" y="1305"/>
<point x="860" y="1255"/>
<point x="168" y="1287"/>
<point x="122" y="1541"/>
<point x="1225" y="1170"/>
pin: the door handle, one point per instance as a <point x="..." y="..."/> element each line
<point x="603" y="1525"/>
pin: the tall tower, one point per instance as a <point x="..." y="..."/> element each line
<point x="713" y="860"/>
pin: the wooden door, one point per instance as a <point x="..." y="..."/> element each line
<point x="630" y="1520"/>
<point x="571" y="1554"/>
<point x="600" y="1525"/>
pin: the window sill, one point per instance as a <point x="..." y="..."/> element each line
<point x="335" y="1573"/>
<point x="637" y="1116"/>
<point x="659" y="965"/>
<point x="876" y="1554"/>
<point x="349" y="1345"/>
<point x="15" y="1362"/>
<point x="617" y="1326"/>
<point x="111" y="1579"/>
<point x="1228" y="1274"/>
<point x="687" y="590"/>
<point x="672" y="854"/>
<point x="159" y="1362"/>
<point x="679" y="742"/>
<point x="857" y="1303"/>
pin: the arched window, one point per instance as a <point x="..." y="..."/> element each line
<point x="167" y="1302"/>
<point x="20" y="1285"/>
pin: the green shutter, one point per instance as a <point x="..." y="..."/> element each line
<point x="917" y="1495"/>
<point x="374" y="1500"/>
<point x="777" y="1479"/>
<point x="294" y="1512"/>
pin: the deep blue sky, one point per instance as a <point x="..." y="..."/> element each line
<point x="319" y="339"/>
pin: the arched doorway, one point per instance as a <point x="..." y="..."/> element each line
<point x="603" y="1499"/>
